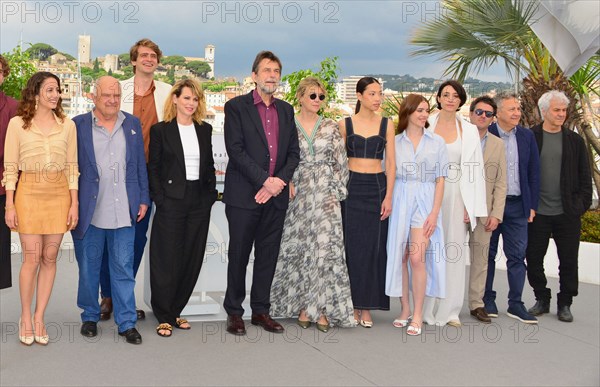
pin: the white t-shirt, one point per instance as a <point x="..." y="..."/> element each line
<point x="191" y="151"/>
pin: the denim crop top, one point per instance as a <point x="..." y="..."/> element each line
<point x="360" y="147"/>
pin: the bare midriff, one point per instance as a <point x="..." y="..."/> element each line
<point x="361" y="165"/>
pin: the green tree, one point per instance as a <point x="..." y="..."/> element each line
<point x="328" y="73"/>
<point x="173" y="60"/>
<point x="124" y="60"/>
<point x="127" y="71"/>
<point x="473" y="35"/>
<point x="21" y="69"/>
<point x="41" y="51"/>
<point x="198" y="67"/>
<point x="171" y="75"/>
<point x="68" y="56"/>
<point x="96" y="65"/>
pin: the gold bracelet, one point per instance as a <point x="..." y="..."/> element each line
<point x="9" y="207"/>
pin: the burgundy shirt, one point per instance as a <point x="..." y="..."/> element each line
<point x="270" y="122"/>
<point x="8" y="109"/>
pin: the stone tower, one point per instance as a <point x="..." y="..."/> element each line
<point x="209" y="57"/>
<point x="84" y="48"/>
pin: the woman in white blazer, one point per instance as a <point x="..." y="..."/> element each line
<point x="464" y="199"/>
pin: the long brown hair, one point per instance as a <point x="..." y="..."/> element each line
<point x="27" y="108"/>
<point x="408" y="106"/>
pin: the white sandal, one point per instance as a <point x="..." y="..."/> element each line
<point x="413" y="330"/>
<point x="398" y="323"/>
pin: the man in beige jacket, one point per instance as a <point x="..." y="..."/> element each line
<point x="483" y="110"/>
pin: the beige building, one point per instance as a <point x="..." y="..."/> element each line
<point x="84" y="48"/>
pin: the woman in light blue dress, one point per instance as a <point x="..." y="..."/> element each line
<point x="415" y="232"/>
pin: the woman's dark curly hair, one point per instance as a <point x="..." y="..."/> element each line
<point x="26" y="109"/>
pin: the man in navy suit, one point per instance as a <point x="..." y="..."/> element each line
<point x="113" y="197"/>
<point x="523" y="186"/>
<point x="262" y="144"/>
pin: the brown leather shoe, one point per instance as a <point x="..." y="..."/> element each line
<point x="106" y="308"/>
<point x="235" y="325"/>
<point x="267" y="323"/>
<point x="481" y="315"/>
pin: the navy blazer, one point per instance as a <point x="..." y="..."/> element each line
<point x="248" y="152"/>
<point x="529" y="167"/>
<point x="136" y="175"/>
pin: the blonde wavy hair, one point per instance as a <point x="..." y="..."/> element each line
<point x="170" y="110"/>
<point x="307" y="83"/>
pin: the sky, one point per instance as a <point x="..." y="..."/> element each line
<point x="369" y="37"/>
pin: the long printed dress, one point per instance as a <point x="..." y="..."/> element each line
<point x="311" y="272"/>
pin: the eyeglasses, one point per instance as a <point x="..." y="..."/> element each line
<point x="313" y="96"/>
<point x="488" y="113"/>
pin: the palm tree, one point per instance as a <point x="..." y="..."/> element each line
<point x="476" y="34"/>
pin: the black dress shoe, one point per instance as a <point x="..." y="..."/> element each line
<point x="267" y="323"/>
<point x="132" y="336"/>
<point x="564" y="313"/>
<point x="540" y="307"/>
<point x="89" y="329"/>
<point x="141" y="315"/>
<point x="106" y="308"/>
<point x="235" y="325"/>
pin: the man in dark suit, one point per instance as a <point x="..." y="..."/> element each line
<point x="523" y="187"/>
<point x="113" y="197"/>
<point x="565" y="195"/>
<point x="262" y="144"/>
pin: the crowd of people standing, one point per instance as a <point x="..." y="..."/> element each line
<point x="341" y="215"/>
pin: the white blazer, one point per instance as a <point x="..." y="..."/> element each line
<point x="472" y="178"/>
<point x="161" y="92"/>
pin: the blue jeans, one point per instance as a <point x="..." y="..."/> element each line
<point x="89" y="252"/>
<point x="141" y="229"/>
<point x="514" y="236"/>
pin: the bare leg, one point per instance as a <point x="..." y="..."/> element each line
<point x="31" y="246"/>
<point x="366" y="315"/>
<point x="45" y="280"/>
<point x="404" y="300"/>
<point x="419" y="273"/>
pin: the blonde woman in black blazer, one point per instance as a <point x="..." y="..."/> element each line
<point x="182" y="184"/>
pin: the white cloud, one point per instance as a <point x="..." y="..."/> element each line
<point x="368" y="36"/>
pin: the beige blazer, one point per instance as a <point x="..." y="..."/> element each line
<point x="161" y="92"/>
<point x="494" y="159"/>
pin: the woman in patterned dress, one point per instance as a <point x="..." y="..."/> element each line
<point x="311" y="278"/>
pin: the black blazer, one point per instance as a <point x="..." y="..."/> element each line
<point x="166" y="165"/>
<point x="248" y="152"/>
<point x="575" y="174"/>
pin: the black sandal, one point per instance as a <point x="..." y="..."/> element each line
<point x="164" y="327"/>
<point x="180" y="321"/>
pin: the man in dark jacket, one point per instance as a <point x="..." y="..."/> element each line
<point x="562" y="203"/>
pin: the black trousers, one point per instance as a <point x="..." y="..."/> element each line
<point x="5" y="267"/>
<point x="566" y="230"/>
<point x="262" y="227"/>
<point x="177" y="245"/>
